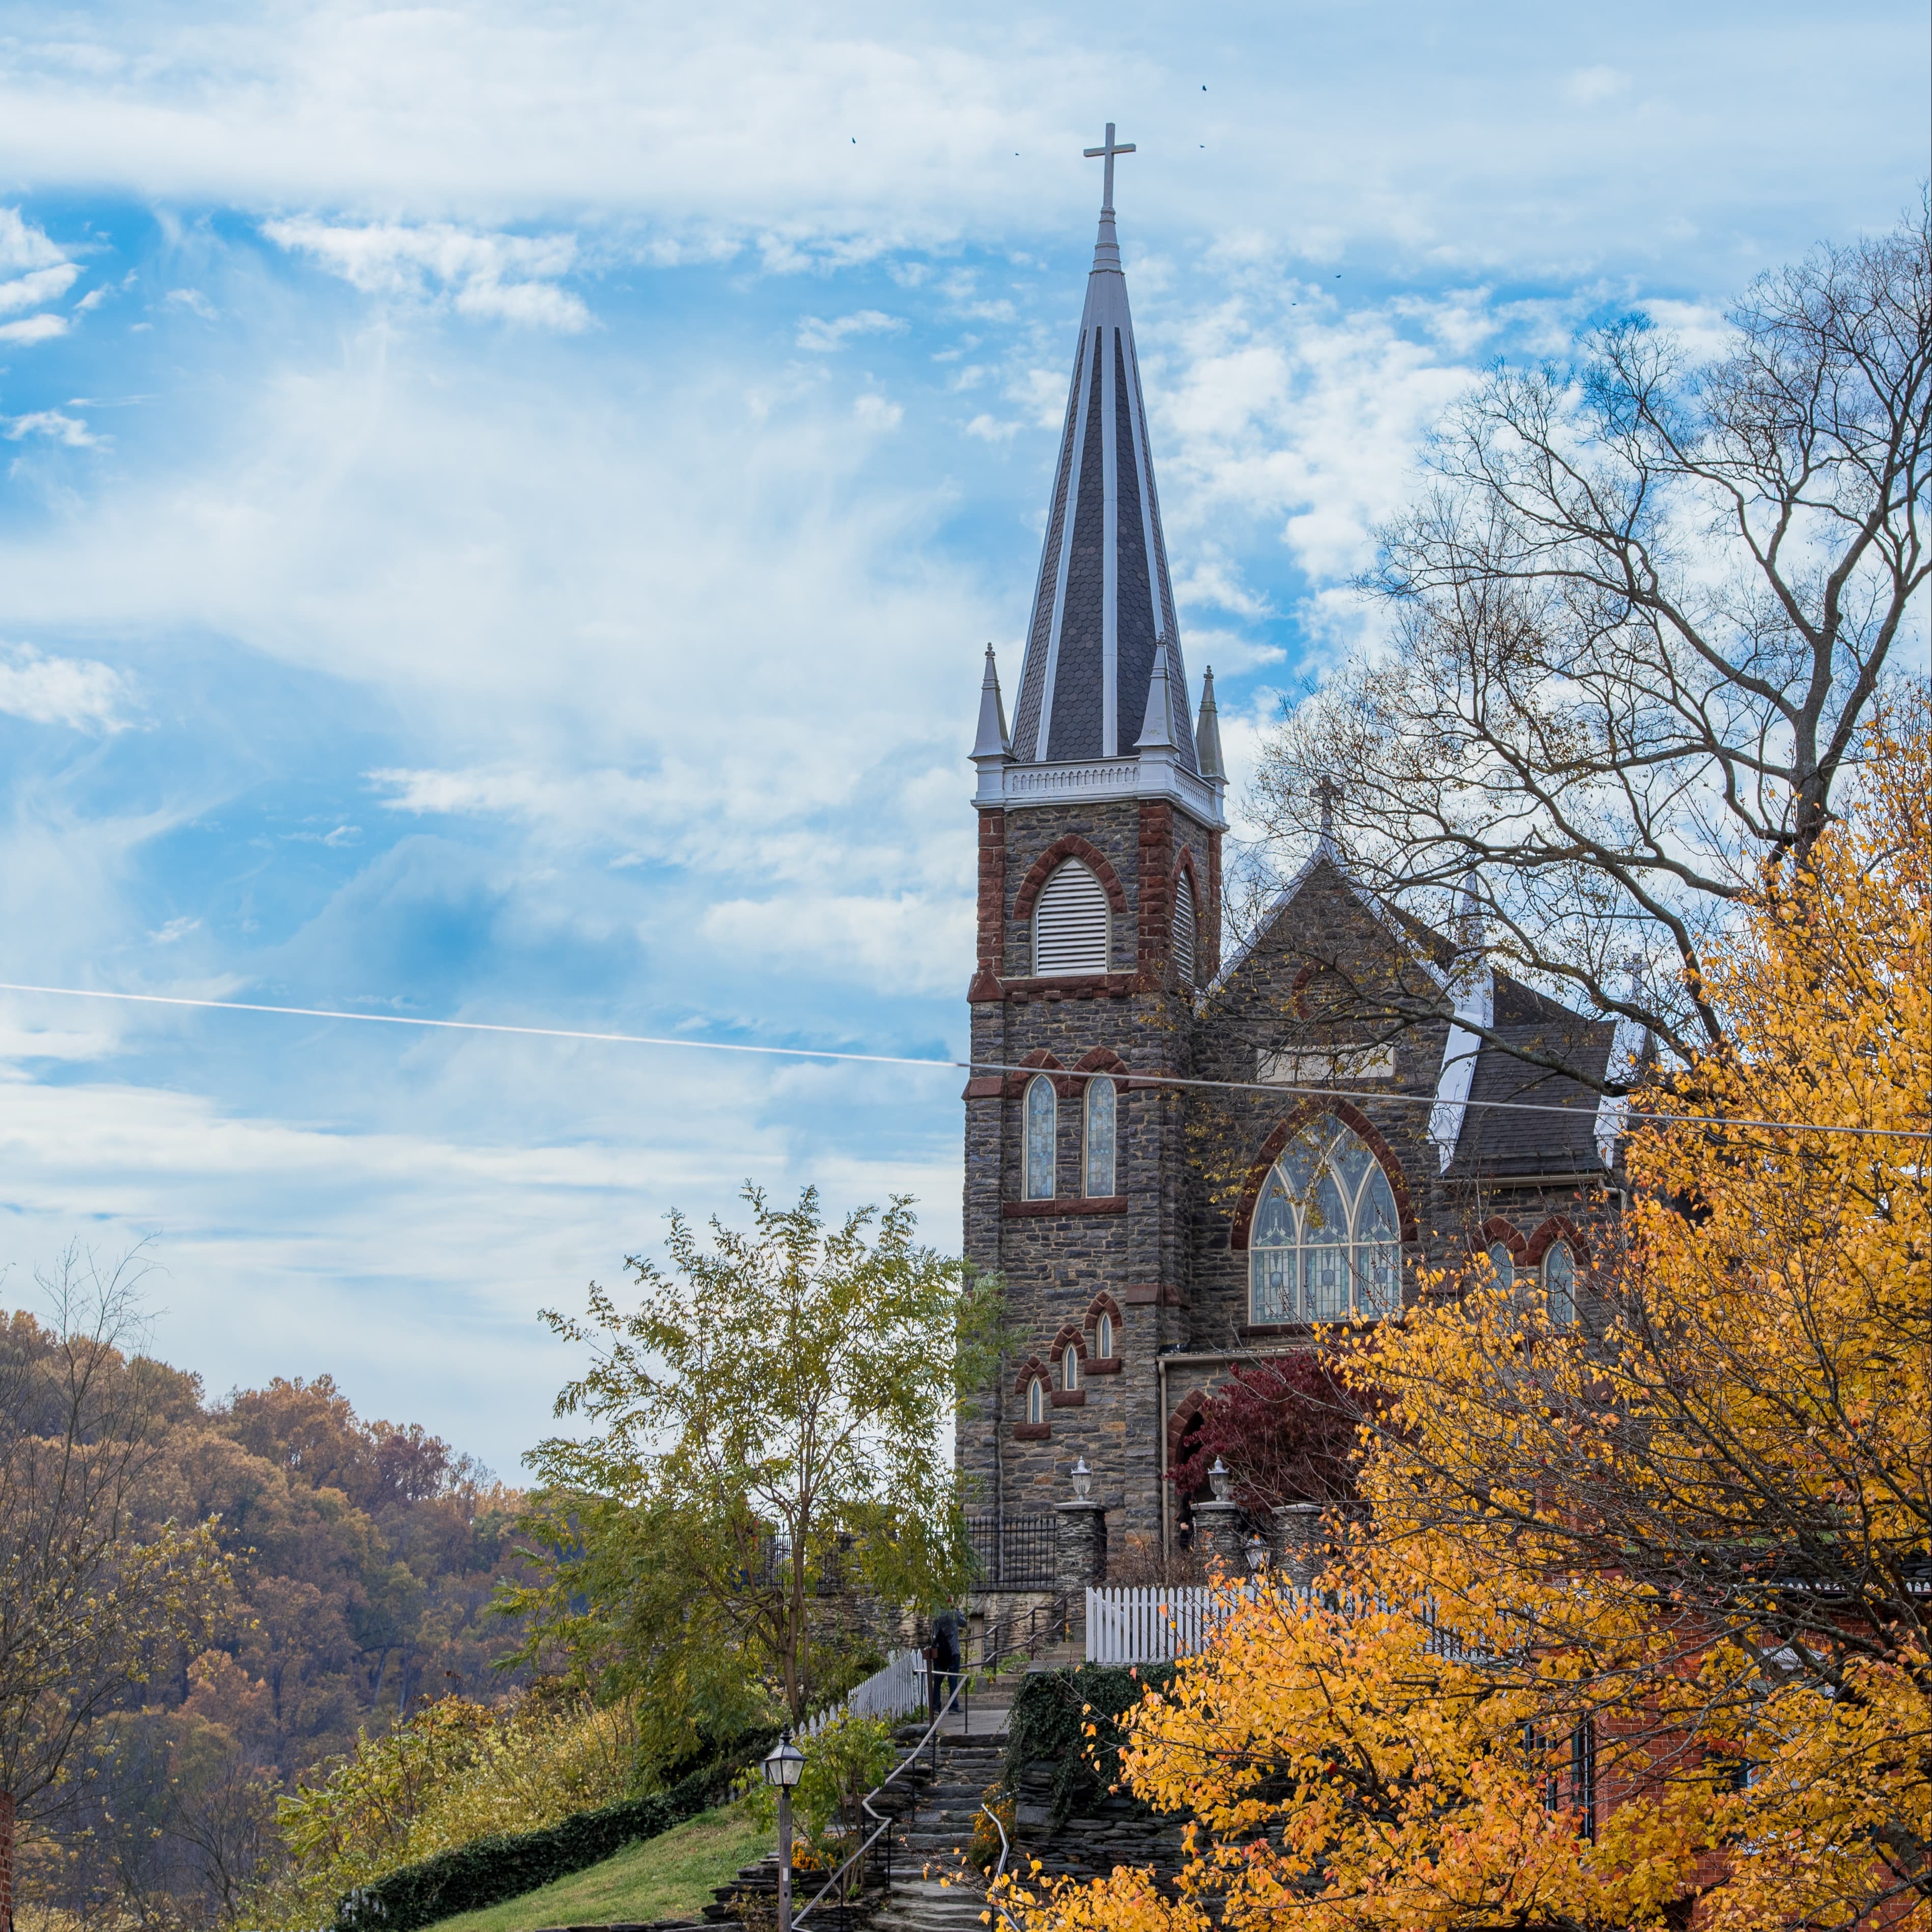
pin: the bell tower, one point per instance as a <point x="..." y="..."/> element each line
<point x="1100" y="822"/>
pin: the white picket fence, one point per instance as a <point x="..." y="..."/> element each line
<point x="1142" y="1624"/>
<point x="1156" y="1623"/>
<point x="895" y="1691"/>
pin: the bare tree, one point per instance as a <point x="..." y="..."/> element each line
<point x="1640" y="612"/>
<point x="88" y="1602"/>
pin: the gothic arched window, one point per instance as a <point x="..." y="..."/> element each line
<point x="1043" y="1123"/>
<point x="1100" y="1112"/>
<point x="1559" y="1284"/>
<point x="1103" y="1339"/>
<point x="1036" y="1400"/>
<point x="1503" y="1263"/>
<point x="1071" y="922"/>
<point x="1069" y="1368"/>
<point x="1325" y="1244"/>
<point x="1187" y="926"/>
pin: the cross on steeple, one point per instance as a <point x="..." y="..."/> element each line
<point x="1327" y="795"/>
<point x="1109" y="148"/>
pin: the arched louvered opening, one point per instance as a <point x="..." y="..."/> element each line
<point x="1186" y="929"/>
<point x="1070" y="923"/>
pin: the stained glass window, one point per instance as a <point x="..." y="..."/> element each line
<point x="1559" y="1284"/>
<point x="1100" y="1107"/>
<point x="1325" y="1244"/>
<point x="1042" y="1122"/>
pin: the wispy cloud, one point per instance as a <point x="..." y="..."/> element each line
<point x="55" y="425"/>
<point x="497" y="278"/>
<point x="33" y="328"/>
<point x="822" y="337"/>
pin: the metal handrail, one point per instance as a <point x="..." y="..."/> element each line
<point x="993" y="1897"/>
<point x="960" y="1687"/>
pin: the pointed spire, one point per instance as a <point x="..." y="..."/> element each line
<point x="1207" y="731"/>
<point x="991" y="742"/>
<point x="1104" y="600"/>
<point x="1157" y="732"/>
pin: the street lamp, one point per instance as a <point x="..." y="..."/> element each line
<point x="1219" y="1480"/>
<point x="1083" y="1479"/>
<point x="1258" y="1552"/>
<point x="783" y="1763"/>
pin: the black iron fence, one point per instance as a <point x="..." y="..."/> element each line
<point x="1014" y="1552"/>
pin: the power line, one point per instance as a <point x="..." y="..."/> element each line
<point x="913" y="1059"/>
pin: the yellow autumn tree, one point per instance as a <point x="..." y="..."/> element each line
<point x="1635" y="1628"/>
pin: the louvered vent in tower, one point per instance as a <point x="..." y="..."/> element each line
<point x="1183" y="930"/>
<point x="1070" y="923"/>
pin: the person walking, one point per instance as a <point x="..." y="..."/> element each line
<point x="942" y="1658"/>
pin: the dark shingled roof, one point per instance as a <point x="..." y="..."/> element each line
<point x="1494" y="1141"/>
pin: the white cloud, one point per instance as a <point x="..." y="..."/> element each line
<point x="195" y="302"/>
<point x="175" y="929"/>
<point x="495" y="277"/>
<point x="823" y="336"/>
<point x="33" y="328"/>
<point x="41" y="285"/>
<point x="74" y="691"/>
<point x="875" y="413"/>
<point x="909" y="944"/>
<point x="25" y="245"/>
<point x="993" y="429"/>
<point x="56" y="426"/>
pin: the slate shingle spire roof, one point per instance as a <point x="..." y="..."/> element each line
<point x="1104" y="600"/>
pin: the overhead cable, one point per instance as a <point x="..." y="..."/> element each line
<point x="1132" y="1075"/>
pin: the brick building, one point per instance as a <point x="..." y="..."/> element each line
<point x="1151" y="1235"/>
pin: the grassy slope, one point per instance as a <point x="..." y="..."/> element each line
<point x="667" y="1877"/>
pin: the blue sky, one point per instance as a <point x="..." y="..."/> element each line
<point x="500" y="509"/>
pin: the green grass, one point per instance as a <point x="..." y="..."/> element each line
<point x="670" y="1876"/>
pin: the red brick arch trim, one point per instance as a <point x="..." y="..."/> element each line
<point x="1071" y="846"/>
<point x="1349" y="1116"/>
<point x="1103" y="1304"/>
<point x="1498" y="1228"/>
<point x="1556" y="1228"/>
<point x="1069" y="1337"/>
<point x="1039" y="1061"/>
<point x="1185" y="1411"/>
<point x="1033" y="1370"/>
<point x="1100" y="1060"/>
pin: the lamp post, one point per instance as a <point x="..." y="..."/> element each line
<point x="1258" y="1553"/>
<point x="783" y="1763"/>
<point x="1220" y="1480"/>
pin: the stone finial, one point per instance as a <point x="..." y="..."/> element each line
<point x="1207" y="731"/>
<point x="991" y="740"/>
<point x="1327" y="795"/>
<point x="1157" y="732"/>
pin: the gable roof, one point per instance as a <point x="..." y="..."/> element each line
<point x="1474" y="1139"/>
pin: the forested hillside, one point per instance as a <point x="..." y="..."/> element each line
<point x="364" y="1556"/>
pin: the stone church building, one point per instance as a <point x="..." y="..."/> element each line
<point x="1151" y="1235"/>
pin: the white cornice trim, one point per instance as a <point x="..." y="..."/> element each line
<point x="1094" y="781"/>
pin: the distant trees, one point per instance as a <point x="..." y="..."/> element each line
<point x="1640" y="615"/>
<point x="360" y="1560"/>
<point x="772" y="1419"/>
<point x="89" y="1596"/>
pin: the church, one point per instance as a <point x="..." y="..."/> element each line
<point x="1178" y="1162"/>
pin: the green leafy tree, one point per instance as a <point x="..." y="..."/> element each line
<point x="771" y="1420"/>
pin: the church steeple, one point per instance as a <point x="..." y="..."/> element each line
<point x="1104" y="604"/>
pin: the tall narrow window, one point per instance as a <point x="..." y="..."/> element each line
<point x="1070" y="923"/>
<point x="1100" y="1098"/>
<point x="1069" y="1368"/>
<point x="1042" y="1122"/>
<point x="1036" y="1400"/>
<point x="1186" y="926"/>
<point x="1103" y="1339"/>
<point x="1325" y="1244"/>
<point x="1503" y="1264"/>
<point x="1559" y="1285"/>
